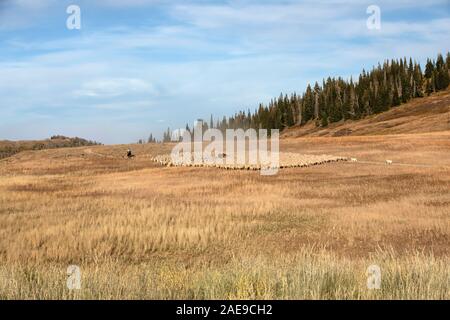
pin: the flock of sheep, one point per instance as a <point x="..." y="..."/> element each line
<point x="286" y="160"/>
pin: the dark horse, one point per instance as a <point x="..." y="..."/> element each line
<point x="130" y="154"/>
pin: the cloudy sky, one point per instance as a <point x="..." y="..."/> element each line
<point x="140" y="66"/>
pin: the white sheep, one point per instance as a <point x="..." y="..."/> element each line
<point x="353" y="160"/>
<point x="388" y="161"/>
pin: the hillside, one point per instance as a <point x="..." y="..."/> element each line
<point x="420" y="115"/>
<point x="9" y="148"/>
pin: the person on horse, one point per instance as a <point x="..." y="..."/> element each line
<point x="129" y="154"/>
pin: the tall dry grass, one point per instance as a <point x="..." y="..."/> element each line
<point x="142" y="231"/>
<point x="308" y="274"/>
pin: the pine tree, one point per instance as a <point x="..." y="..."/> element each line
<point x="441" y="74"/>
<point x="324" y="121"/>
<point x="429" y="69"/>
<point x="211" y="122"/>
<point x="167" y="136"/>
<point x="316" y="100"/>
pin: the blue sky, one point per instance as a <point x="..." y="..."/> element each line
<point x="139" y="66"/>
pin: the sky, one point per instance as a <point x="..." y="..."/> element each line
<point x="139" y="66"/>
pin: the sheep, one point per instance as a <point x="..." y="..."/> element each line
<point x="286" y="160"/>
<point x="389" y="162"/>
<point x="353" y="160"/>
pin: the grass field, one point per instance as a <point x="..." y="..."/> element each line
<point x="139" y="230"/>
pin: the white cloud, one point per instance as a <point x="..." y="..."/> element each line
<point x="124" y="105"/>
<point x="128" y="3"/>
<point x="33" y="4"/>
<point x="110" y="87"/>
<point x="21" y="14"/>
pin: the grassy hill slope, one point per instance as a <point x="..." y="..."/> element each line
<point x="9" y="148"/>
<point x="428" y="114"/>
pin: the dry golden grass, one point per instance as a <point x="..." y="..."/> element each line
<point x="139" y="230"/>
